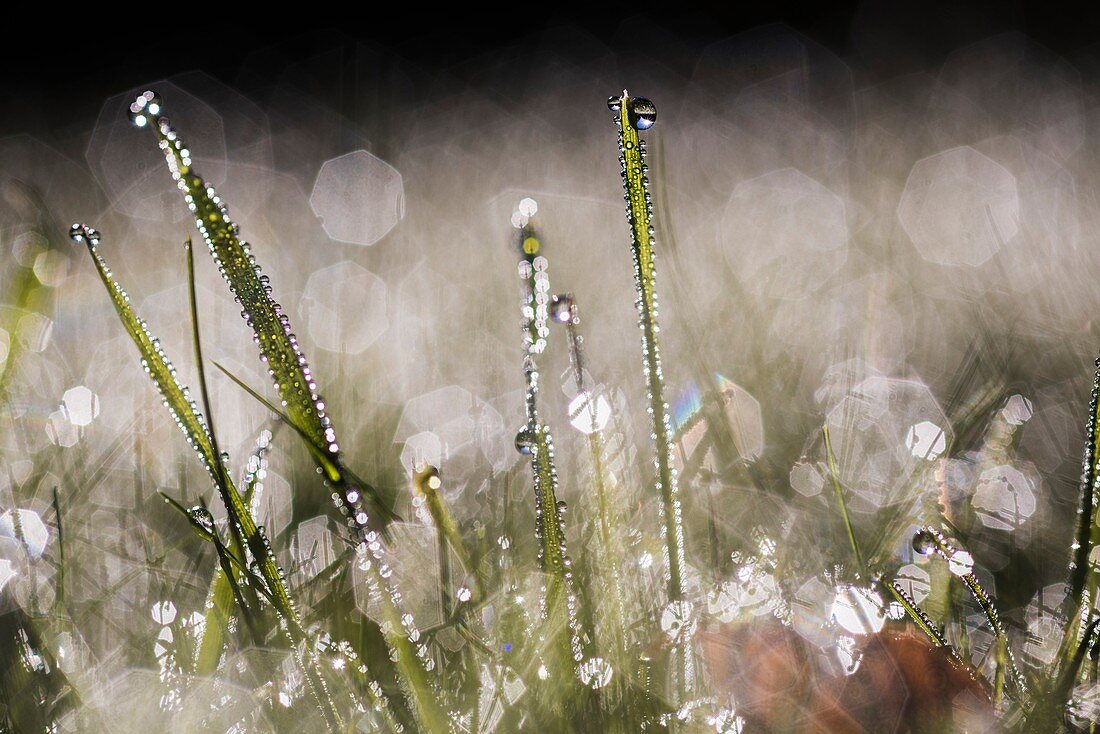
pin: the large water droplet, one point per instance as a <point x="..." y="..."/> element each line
<point x="525" y="441"/>
<point x="643" y="114"/>
<point x="924" y="542"/>
<point x="202" y="521"/>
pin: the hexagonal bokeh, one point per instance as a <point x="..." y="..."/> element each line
<point x="227" y="134"/>
<point x="808" y="479"/>
<point x="359" y="198"/>
<point x="35" y="181"/>
<point x="959" y="207"/>
<point x="926" y="440"/>
<point x="858" y="610"/>
<point x="313" y="548"/>
<point x="1044" y="624"/>
<point x="589" y="412"/>
<point x="81" y="405"/>
<point x="462" y="428"/>
<point x="272" y="503"/>
<point x="872" y="429"/>
<point x="421" y="449"/>
<point x="1004" y="498"/>
<point x="62" y="431"/>
<point x="788" y="233"/>
<point x="1017" y="410"/>
<point x="344" y="306"/>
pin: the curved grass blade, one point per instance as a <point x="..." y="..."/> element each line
<point x="183" y="409"/>
<point x="297" y="389"/>
<point x="286" y="364"/>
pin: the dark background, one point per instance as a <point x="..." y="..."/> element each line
<point x="60" y="65"/>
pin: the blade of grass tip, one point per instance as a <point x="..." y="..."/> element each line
<point x="632" y="115"/>
<point x="286" y="364"/>
<point x="59" y="601"/>
<point x="191" y="421"/>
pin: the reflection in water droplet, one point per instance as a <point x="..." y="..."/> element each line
<point x="644" y="113"/>
<point x="202" y="520"/>
<point x="924" y="542"/>
<point x="525" y="441"/>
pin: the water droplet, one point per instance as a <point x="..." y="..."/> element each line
<point x="83" y="233"/>
<point x="924" y="542"/>
<point x="147" y="105"/>
<point x="614" y="103"/>
<point x="202" y="521"/>
<point x="644" y="113"/>
<point x="561" y="308"/>
<point x="525" y="441"/>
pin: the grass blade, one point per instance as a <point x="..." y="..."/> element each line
<point x="629" y="118"/>
<point x="190" y="420"/>
<point x="286" y="364"/>
<point x="536" y="440"/>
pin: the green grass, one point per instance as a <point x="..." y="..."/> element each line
<point x="548" y="619"/>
